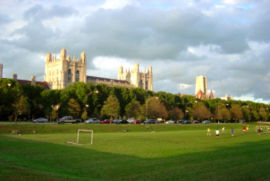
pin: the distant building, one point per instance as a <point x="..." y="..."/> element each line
<point x="201" y="88"/>
<point x="110" y="82"/>
<point x="227" y="97"/>
<point x="1" y="71"/>
<point x="137" y="78"/>
<point x="23" y="81"/>
<point x="60" y="73"/>
<point x="201" y="84"/>
<point x="211" y="95"/>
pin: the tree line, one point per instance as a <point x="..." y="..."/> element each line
<point x="83" y="100"/>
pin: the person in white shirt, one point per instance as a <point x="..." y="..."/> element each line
<point x="217" y="132"/>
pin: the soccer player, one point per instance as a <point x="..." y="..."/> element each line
<point x="232" y="132"/>
<point x="208" y="132"/>
<point x="217" y="132"/>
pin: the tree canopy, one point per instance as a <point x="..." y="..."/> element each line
<point x="82" y="100"/>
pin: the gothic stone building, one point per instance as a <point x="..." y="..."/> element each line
<point x="60" y="73"/>
<point x="137" y="78"/>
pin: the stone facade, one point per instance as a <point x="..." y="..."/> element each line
<point x="59" y="73"/>
<point x="1" y="71"/>
<point x="137" y="78"/>
<point x="109" y="82"/>
<point x="201" y="84"/>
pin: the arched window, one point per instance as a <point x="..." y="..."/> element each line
<point x="77" y="76"/>
<point x="69" y="76"/>
<point x="141" y="83"/>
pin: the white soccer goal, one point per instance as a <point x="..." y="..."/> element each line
<point x="78" y="137"/>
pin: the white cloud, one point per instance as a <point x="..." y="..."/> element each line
<point x="184" y="86"/>
<point x="116" y="4"/>
<point x="180" y="39"/>
<point x="250" y="97"/>
<point x="110" y="63"/>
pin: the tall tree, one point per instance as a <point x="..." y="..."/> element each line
<point x="134" y="109"/>
<point x="201" y="112"/>
<point x="84" y="115"/>
<point x="222" y="113"/>
<point x="263" y="114"/>
<point x="111" y="107"/>
<point x="74" y="108"/>
<point x="176" y="114"/>
<point x="21" y="107"/>
<point x="246" y="114"/>
<point x="236" y="112"/>
<point x="155" y="109"/>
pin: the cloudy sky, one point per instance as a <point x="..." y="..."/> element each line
<point x="226" y="40"/>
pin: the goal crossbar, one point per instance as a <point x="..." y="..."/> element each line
<point x="78" y="137"/>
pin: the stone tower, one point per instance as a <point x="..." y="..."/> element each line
<point x="137" y="78"/>
<point x="1" y="71"/>
<point x="59" y="73"/>
<point x="201" y="84"/>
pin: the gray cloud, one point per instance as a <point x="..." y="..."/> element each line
<point x="180" y="39"/>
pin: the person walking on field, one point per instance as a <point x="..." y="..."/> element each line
<point x="217" y="132"/>
<point x="208" y="132"/>
<point x="232" y="132"/>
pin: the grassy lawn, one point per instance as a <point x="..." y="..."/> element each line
<point x="156" y="152"/>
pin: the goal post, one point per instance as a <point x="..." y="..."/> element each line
<point x="78" y="137"/>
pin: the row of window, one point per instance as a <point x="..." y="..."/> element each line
<point x="77" y="76"/>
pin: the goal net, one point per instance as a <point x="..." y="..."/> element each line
<point x="90" y="138"/>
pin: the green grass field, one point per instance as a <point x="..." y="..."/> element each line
<point x="144" y="152"/>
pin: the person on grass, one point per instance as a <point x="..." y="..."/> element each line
<point x="217" y="132"/>
<point x="232" y="132"/>
<point x="208" y="132"/>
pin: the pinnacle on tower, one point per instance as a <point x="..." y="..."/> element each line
<point x="149" y="69"/>
<point x="63" y="54"/>
<point x="83" y="57"/>
<point x="49" y="57"/>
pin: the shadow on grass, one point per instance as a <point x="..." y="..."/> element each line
<point x="33" y="160"/>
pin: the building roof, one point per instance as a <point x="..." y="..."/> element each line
<point x="40" y="83"/>
<point x="106" y="79"/>
<point x="211" y="96"/>
<point x="201" y="95"/>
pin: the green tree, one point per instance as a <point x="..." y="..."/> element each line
<point x="54" y="115"/>
<point x="21" y="107"/>
<point x="134" y="109"/>
<point x="236" y="112"/>
<point x="33" y="94"/>
<point x="201" y="112"/>
<point x="10" y="90"/>
<point x="263" y="114"/>
<point x="74" y="108"/>
<point x="255" y="115"/>
<point x="84" y="115"/>
<point x="246" y="114"/>
<point x="176" y="114"/>
<point x="111" y="107"/>
<point x="155" y="109"/>
<point x="222" y="113"/>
